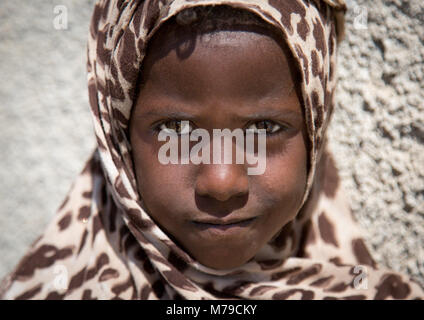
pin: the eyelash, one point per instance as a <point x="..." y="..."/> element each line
<point x="282" y="128"/>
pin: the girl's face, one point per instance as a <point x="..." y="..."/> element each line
<point x="233" y="79"/>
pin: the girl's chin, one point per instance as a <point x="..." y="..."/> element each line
<point x="222" y="262"/>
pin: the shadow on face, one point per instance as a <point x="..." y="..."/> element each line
<point x="242" y="77"/>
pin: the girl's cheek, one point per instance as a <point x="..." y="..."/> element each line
<point x="283" y="182"/>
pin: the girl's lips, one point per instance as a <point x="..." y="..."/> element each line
<point x="222" y="229"/>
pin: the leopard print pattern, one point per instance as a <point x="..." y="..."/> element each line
<point x="102" y="244"/>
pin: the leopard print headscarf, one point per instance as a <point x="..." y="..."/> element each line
<point x="102" y="244"/>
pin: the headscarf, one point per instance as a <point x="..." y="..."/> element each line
<point x="102" y="244"/>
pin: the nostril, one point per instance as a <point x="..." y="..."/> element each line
<point x="219" y="208"/>
<point x="221" y="192"/>
<point x="219" y="189"/>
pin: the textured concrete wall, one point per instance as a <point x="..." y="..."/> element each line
<point x="377" y="130"/>
<point x="45" y="124"/>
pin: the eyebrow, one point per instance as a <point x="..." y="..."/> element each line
<point x="167" y="113"/>
<point x="258" y="115"/>
<point x="272" y="113"/>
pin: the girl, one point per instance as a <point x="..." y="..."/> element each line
<point x="134" y="228"/>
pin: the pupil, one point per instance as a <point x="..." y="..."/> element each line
<point x="261" y="125"/>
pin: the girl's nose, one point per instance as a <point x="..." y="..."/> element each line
<point x="222" y="181"/>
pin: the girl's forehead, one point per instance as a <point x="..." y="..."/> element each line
<point x="248" y="63"/>
<point x="246" y="49"/>
<point x="217" y="25"/>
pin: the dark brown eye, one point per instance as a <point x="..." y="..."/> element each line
<point x="267" y="125"/>
<point x="176" y="126"/>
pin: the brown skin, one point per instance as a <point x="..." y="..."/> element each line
<point x="235" y="79"/>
